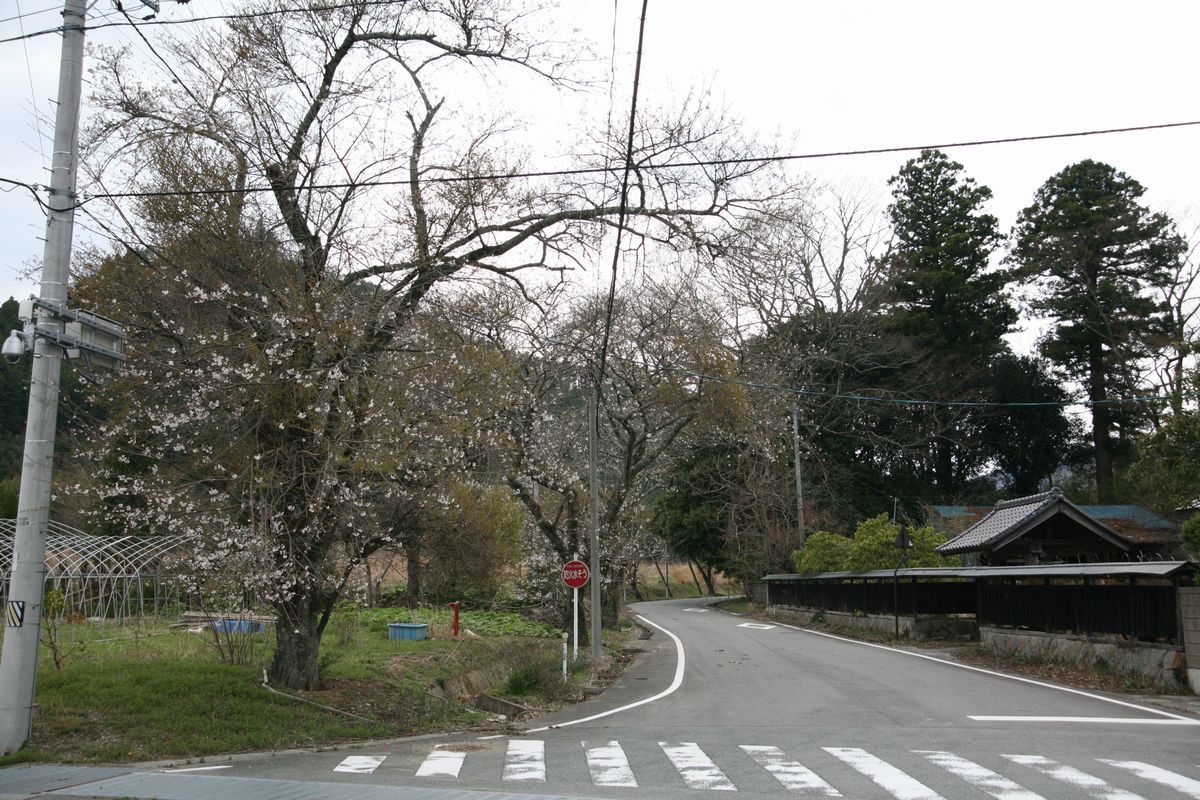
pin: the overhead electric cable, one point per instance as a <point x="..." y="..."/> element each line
<point x="666" y="165"/>
<point x="816" y="393"/>
<point x="213" y="18"/>
<point x="612" y="288"/>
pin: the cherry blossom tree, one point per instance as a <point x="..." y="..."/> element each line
<point x="284" y="207"/>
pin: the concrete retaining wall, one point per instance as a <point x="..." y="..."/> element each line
<point x="1162" y="664"/>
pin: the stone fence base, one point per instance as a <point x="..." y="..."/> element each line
<point x="932" y="627"/>
<point x="1161" y="663"/>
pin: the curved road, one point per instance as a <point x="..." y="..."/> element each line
<point x="720" y="703"/>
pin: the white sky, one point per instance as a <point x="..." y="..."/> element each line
<point x="835" y="75"/>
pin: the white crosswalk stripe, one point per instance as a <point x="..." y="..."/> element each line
<point x="979" y="776"/>
<point x="696" y="768"/>
<point x="1096" y="787"/>
<point x="793" y="775"/>
<point x="1180" y="783"/>
<point x="525" y="760"/>
<point x="898" y="784"/>
<point x="364" y="765"/>
<point x="442" y="762"/>
<point x="608" y="765"/>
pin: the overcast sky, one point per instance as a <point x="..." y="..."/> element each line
<point x="817" y="76"/>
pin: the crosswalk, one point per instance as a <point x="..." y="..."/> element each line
<point x="608" y="765"/>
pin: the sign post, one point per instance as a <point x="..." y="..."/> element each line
<point x="575" y="574"/>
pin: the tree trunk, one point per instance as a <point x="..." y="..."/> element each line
<point x="297" y="642"/>
<point x="1101" y="429"/>
<point x="692" y="569"/>
<point x="412" y="554"/>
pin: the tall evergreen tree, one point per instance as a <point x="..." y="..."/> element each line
<point x="1094" y="253"/>
<point x="947" y="298"/>
<point x="948" y="305"/>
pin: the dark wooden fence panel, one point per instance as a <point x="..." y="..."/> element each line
<point x="1141" y="611"/>
<point x="1144" y="612"/>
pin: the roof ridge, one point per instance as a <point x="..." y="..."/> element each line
<point x="1054" y="493"/>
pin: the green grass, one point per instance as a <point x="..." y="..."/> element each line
<point x="148" y="692"/>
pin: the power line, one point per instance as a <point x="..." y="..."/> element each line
<point x="211" y="18"/>
<point x="26" y="15"/>
<point x="796" y="391"/>
<point x="666" y="165"/>
<point x="612" y="288"/>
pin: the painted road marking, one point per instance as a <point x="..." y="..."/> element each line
<point x="1150" y="772"/>
<point x="525" y="760"/>
<point x="608" y="765"/>
<point x="898" y="784"/>
<point x="675" y="684"/>
<point x="1006" y="676"/>
<point x="1095" y="787"/>
<point x="197" y="769"/>
<point x="979" y="776"/>
<point x="696" y="768"/>
<point x="1097" y="720"/>
<point x="696" y="610"/>
<point x="758" y="626"/>
<point x="364" y="765"/>
<point x="793" y="775"/>
<point x="442" y="762"/>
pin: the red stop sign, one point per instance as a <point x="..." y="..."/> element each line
<point x="575" y="574"/>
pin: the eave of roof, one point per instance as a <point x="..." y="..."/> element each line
<point x="1158" y="569"/>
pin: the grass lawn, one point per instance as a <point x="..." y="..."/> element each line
<point x="149" y="692"/>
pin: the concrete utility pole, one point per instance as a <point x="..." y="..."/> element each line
<point x="799" y="480"/>
<point x="23" y="617"/>
<point x="594" y="508"/>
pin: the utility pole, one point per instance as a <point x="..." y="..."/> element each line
<point x="594" y="508"/>
<point x="799" y="479"/>
<point x="18" y="664"/>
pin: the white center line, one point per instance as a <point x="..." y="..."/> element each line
<point x="696" y="768"/>
<point x="525" y="761"/>
<point x="896" y="783"/>
<point x="1095" y="787"/>
<point x="608" y="765"/>
<point x="979" y="776"/>
<point x="442" y="762"/>
<point x="793" y="775"/>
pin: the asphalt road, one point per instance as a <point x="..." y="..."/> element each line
<point x="720" y="703"/>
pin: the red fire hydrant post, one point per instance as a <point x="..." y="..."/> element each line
<point x="454" y="605"/>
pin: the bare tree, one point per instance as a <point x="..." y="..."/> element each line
<point x="300" y="191"/>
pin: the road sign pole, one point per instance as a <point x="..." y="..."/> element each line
<point x="575" y="633"/>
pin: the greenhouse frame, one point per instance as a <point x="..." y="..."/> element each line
<point x="108" y="577"/>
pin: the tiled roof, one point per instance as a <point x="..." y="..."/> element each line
<point x="1133" y="523"/>
<point x="1002" y="519"/>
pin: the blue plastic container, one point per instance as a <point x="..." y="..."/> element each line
<point x="239" y="626"/>
<point x="407" y="631"/>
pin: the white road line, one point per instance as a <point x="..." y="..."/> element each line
<point x="993" y="673"/>
<point x="696" y="610"/>
<point x="1095" y="787"/>
<point x="608" y="765"/>
<point x="898" y="784"/>
<point x="979" y="776"/>
<point x="1179" y="783"/>
<point x="696" y="768"/>
<point x="675" y="684"/>
<point x="525" y="760"/>
<point x="758" y="626"/>
<point x="198" y="769"/>
<point x="1099" y="720"/>
<point x="793" y="775"/>
<point x="442" y="762"/>
<point x="361" y="764"/>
